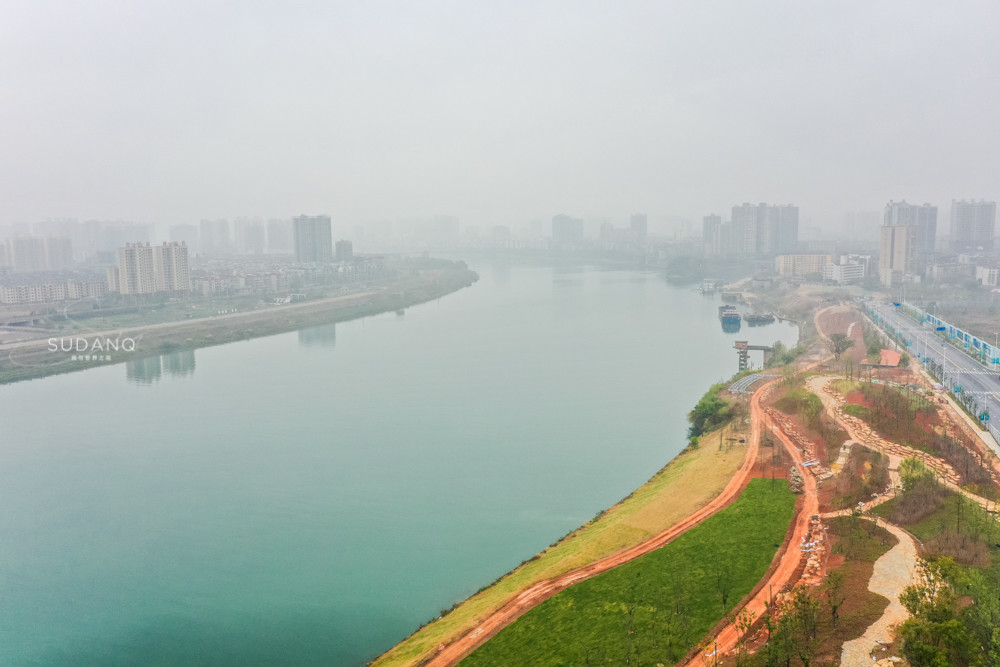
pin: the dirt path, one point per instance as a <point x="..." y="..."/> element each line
<point x="786" y="571"/>
<point x="452" y="653"/>
<point x="894" y="451"/>
<point x="894" y="570"/>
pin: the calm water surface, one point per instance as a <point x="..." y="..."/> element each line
<point x="312" y="497"/>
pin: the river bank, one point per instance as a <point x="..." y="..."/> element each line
<point x="341" y="487"/>
<point x="67" y="353"/>
<point x="689" y="482"/>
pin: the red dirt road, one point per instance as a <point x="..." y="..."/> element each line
<point x="454" y="652"/>
<point x="787" y="569"/>
<point x="790" y="559"/>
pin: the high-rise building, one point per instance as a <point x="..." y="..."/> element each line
<point x="26" y="253"/>
<point x="566" y="231"/>
<point x="923" y="220"/>
<point x="763" y="229"/>
<point x="313" y="238"/>
<point x="743" y="231"/>
<point x="897" y="253"/>
<point x="214" y="237"/>
<point x="279" y="236"/>
<point x="114" y="279"/>
<point x="345" y="251"/>
<point x="170" y="267"/>
<point x="58" y="253"/>
<point x="250" y="237"/>
<point x="638" y="227"/>
<point x="783" y="228"/>
<point x="136" y="274"/>
<point x="972" y="225"/>
<point x="711" y="231"/>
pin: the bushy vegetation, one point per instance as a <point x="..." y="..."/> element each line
<point x="865" y="474"/>
<point x="710" y="413"/>
<point x="655" y="608"/>
<point x="839" y="343"/>
<point x="803" y="403"/>
<point x="955" y="617"/>
<point x="955" y="610"/>
<point x="873" y="341"/>
<point x="783" y="354"/>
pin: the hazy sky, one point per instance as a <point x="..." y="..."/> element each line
<point x="496" y="112"/>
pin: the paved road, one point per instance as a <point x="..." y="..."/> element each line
<point x="979" y="381"/>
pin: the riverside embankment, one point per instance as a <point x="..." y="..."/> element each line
<point x="68" y="352"/>
<point x="693" y="486"/>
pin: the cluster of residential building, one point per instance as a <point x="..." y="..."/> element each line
<point x="907" y="247"/>
<point x="42" y="291"/>
<point x="233" y="277"/>
<point x="907" y="244"/>
<point x="146" y="269"/>
<point x="753" y="230"/>
<point x="36" y="269"/>
<point x="28" y="254"/>
<point x="841" y="269"/>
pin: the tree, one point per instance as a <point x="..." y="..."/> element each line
<point x="834" y="593"/>
<point x="934" y="635"/>
<point x="804" y="609"/>
<point x="840" y="343"/>
<point x="723" y="583"/>
<point x="711" y="411"/>
<point x="743" y="622"/>
<point x="904" y="361"/>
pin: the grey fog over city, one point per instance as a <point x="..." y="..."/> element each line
<point x="171" y="112"/>
<point x="499" y="334"/>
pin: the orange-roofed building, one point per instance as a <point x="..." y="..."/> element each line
<point x="890" y="358"/>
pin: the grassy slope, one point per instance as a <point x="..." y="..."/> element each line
<point x="684" y="485"/>
<point x="630" y="613"/>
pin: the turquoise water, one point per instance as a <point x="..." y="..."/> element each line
<point x="312" y="497"/>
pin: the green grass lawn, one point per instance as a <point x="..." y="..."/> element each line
<point x="655" y="608"/>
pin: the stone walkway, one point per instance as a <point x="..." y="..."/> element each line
<point x="894" y="570"/>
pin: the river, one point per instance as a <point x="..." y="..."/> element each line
<point x="312" y="497"/>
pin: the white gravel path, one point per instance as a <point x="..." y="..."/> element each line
<point x="894" y="570"/>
